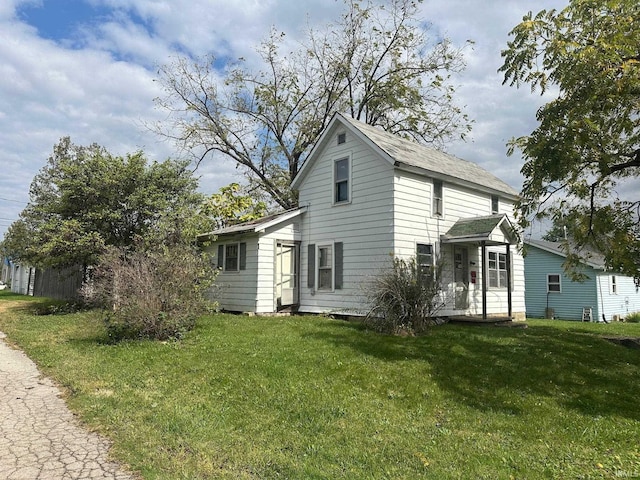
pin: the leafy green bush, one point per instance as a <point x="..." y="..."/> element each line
<point x="633" y="317"/>
<point x="404" y="298"/>
<point x="151" y="294"/>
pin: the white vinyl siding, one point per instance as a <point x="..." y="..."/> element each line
<point x="414" y="224"/>
<point x="364" y="225"/>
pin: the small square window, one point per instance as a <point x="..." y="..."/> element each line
<point x="342" y="138"/>
<point x="553" y="283"/>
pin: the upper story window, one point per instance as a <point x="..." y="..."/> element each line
<point x="342" y="138"/>
<point x="495" y="204"/>
<point x="553" y="283"/>
<point x="341" y="175"/>
<point x="497" y="269"/>
<point x="438" y="206"/>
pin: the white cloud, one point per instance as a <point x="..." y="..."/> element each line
<point x="98" y="85"/>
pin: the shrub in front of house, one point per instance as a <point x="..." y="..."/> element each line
<point x="405" y="297"/>
<point x="150" y="294"/>
<point x="633" y="317"/>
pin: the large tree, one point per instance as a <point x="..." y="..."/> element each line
<point x="377" y="63"/>
<point x="585" y="151"/>
<point x="85" y="199"/>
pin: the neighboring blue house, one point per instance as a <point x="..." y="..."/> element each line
<point x="549" y="293"/>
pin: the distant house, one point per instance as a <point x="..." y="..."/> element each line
<point x="604" y="296"/>
<point x="366" y="195"/>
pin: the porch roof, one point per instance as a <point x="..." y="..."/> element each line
<point x="491" y="229"/>
<point x="258" y="225"/>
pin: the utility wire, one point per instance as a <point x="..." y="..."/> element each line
<point x="14" y="201"/>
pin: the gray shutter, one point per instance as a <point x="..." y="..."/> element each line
<point x="311" y="264"/>
<point x="243" y="256"/>
<point x="338" y="264"/>
<point x="220" y="256"/>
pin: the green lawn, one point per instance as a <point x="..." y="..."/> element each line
<point x="315" y="398"/>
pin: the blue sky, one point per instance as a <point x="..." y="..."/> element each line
<point x="86" y="69"/>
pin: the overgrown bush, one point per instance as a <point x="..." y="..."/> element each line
<point x="150" y="294"/>
<point x="633" y="317"/>
<point x="405" y="297"/>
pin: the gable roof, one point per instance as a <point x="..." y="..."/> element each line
<point x="258" y="225"/>
<point x="409" y="155"/>
<point x="492" y="229"/>
<point x="594" y="259"/>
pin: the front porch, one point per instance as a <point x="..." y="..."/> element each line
<point x="491" y="268"/>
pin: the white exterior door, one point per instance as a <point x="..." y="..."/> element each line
<point x="286" y="274"/>
<point x="461" y="277"/>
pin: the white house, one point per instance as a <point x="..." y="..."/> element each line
<point x="602" y="296"/>
<point x="365" y="196"/>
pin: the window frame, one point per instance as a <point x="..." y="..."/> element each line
<point x="495" y="204"/>
<point x="550" y="283"/>
<point x="327" y="268"/>
<point x="613" y="285"/>
<point x="437" y="201"/>
<point x="241" y="257"/>
<point x="337" y="180"/>
<point x="500" y="285"/>
<point x="341" y="138"/>
<point x="426" y="268"/>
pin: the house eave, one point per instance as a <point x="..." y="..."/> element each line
<point x="254" y="227"/>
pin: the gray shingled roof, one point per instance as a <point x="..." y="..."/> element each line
<point x="593" y="259"/>
<point x="410" y="153"/>
<point x="256" y="225"/>
<point x="478" y="228"/>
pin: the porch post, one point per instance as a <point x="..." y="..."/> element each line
<point x="509" y="279"/>
<point x="484" y="279"/>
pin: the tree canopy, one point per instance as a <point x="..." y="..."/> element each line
<point x="377" y="63"/>
<point x="85" y="199"/>
<point x="585" y="151"/>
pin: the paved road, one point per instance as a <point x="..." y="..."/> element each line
<point x="40" y="439"/>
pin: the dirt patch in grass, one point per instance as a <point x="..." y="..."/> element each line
<point x="629" y="342"/>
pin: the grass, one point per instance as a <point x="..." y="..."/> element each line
<point x="315" y="398"/>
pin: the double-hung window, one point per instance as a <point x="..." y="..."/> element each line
<point x="232" y="257"/>
<point x="497" y="269"/>
<point x="424" y="258"/>
<point x="553" y="283"/>
<point x="325" y="267"/>
<point x="495" y="204"/>
<point x="341" y="180"/>
<point x="614" y="285"/>
<point x="437" y="207"/>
